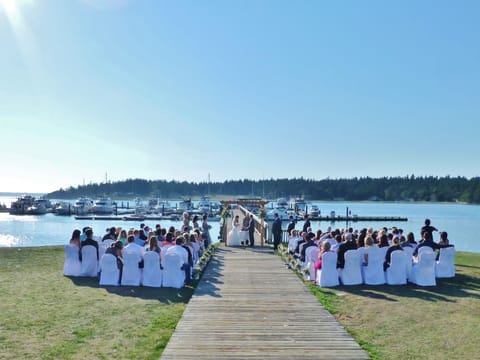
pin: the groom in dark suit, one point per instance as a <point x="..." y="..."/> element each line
<point x="251" y="231"/>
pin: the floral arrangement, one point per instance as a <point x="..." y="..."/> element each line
<point x="263" y="213"/>
<point x="203" y="261"/>
<point x="225" y="213"/>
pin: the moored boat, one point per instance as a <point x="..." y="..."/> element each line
<point x="103" y="205"/>
<point x="83" y="205"/>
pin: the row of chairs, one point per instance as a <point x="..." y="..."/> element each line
<point x="151" y="275"/>
<point x="422" y="272"/>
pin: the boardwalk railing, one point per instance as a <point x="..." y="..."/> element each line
<point x="261" y="225"/>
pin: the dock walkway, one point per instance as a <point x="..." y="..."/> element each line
<point x="248" y="305"/>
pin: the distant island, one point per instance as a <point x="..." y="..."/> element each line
<point x="408" y="188"/>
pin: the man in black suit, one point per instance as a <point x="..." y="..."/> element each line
<point x="349" y="244"/>
<point x="306" y="224"/>
<point x="276" y="231"/>
<point x="89" y="240"/>
<point x="251" y="231"/>
<point x="291" y="225"/>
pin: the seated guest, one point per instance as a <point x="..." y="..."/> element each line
<point x="430" y="243"/>
<point x="296" y="253"/>
<point x="369" y="244"/>
<point x="110" y="235"/>
<point x="153" y="245"/>
<point x="310" y="242"/>
<point x="410" y="241"/>
<point x="123" y="237"/>
<point x="349" y="244"/>
<point x="75" y="239"/>
<point x="388" y="256"/>
<point x="180" y="250"/>
<point x="325" y="247"/>
<point x="89" y="240"/>
<point x="133" y="246"/>
<point x="444" y="242"/>
<point x="116" y="249"/>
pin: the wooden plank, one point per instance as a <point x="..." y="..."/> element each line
<point x="248" y="305"/>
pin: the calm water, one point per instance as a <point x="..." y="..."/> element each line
<point x="460" y="221"/>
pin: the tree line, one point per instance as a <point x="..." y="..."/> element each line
<point x="408" y="188"/>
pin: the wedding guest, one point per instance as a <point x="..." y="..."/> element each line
<point x="276" y="231"/>
<point x="123" y="237"/>
<point x="306" y="224"/>
<point x="75" y="239"/>
<point x="325" y="247"/>
<point x="349" y="244"/>
<point x="89" y="240"/>
<point x="206" y="232"/>
<point x="428" y="230"/>
<point x="291" y="225"/>
<point x="116" y="249"/>
<point x="369" y="244"/>
<point x="195" y="222"/>
<point x="388" y="256"/>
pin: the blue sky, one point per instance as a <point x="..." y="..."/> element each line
<point x="236" y="89"/>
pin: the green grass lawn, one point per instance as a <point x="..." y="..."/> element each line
<point x="412" y="322"/>
<point x="45" y="315"/>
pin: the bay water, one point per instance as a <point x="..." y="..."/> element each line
<point x="459" y="220"/>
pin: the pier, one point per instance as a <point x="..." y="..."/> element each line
<point x="248" y="305"/>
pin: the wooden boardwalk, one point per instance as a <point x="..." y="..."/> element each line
<point x="248" y="305"/>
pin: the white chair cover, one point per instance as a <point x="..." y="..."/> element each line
<point x="89" y="261"/>
<point x="423" y="271"/>
<point x="106" y="243"/>
<point x="424" y="249"/>
<point x="409" y="254"/>
<point x="173" y="275"/>
<point x="396" y="274"/>
<point x="152" y="274"/>
<point x="72" y="265"/>
<point x="311" y="256"/>
<point x="351" y="274"/>
<point x="373" y="273"/>
<point x="446" y="263"/>
<point x="361" y="252"/>
<point x="327" y="276"/>
<point x="131" y="274"/>
<point x="109" y="272"/>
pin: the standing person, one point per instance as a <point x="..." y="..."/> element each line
<point x="291" y="225"/>
<point x="276" y="231"/>
<point x="428" y="230"/>
<point x="306" y="224"/>
<point x="244" y="232"/>
<point x="251" y="231"/>
<point x="234" y="234"/>
<point x="205" y="232"/>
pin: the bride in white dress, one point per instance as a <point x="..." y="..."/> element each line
<point x="234" y="234"/>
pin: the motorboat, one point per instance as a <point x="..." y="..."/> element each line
<point x="283" y="214"/>
<point x="83" y="205"/>
<point x="63" y="208"/>
<point x="204" y="206"/>
<point x="103" y="205"/>
<point x="313" y="210"/>
<point x="297" y="203"/>
<point x="20" y="206"/>
<point x="281" y="203"/>
<point x="39" y="207"/>
<point x="185" y="205"/>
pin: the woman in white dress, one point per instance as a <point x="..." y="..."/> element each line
<point x="234" y="234"/>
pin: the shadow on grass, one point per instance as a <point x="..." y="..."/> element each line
<point x="163" y="295"/>
<point x="447" y="290"/>
<point x="205" y="286"/>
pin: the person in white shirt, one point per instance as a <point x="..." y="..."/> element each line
<point x="133" y="246"/>
<point x="180" y="250"/>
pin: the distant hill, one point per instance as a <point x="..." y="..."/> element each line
<point x="408" y="188"/>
